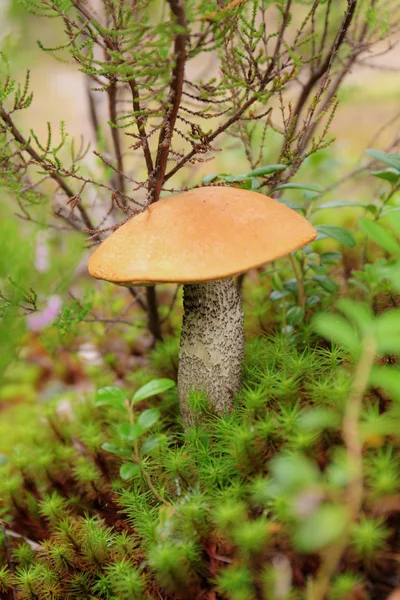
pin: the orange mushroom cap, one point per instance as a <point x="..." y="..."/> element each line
<point x="205" y="234"/>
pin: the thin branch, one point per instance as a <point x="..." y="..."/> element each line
<point x="138" y="298"/>
<point x="172" y="304"/>
<point x="299" y="280"/>
<point x="115" y="321"/>
<point x="92" y="109"/>
<point x="45" y="165"/>
<point x="174" y="101"/>
<point x="325" y="67"/>
<point x="82" y="8"/>
<point x="140" y="123"/>
<point x="354" y="493"/>
<point x="368" y="165"/>
<point x="116" y="138"/>
<point x="325" y="32"/>
<point x="285" y="21"/>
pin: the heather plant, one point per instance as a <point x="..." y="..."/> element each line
<point x="274" y="72"/>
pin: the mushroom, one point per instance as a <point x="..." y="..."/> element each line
<point x="202" y="238"/>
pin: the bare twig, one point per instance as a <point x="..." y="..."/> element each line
<point x="140" y="123"/>
<point x="173" y="103"/>
<point x="323" y="70"/>
<point x="354" y="493"/>
<point x="92" y="109"/>
<point x="116" y="138"/>
<point x="116" y="321"/>
<point x="172" y="304"/>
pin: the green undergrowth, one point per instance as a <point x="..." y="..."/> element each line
<point x="295" y="494"/>
<point x="242" y="506"/>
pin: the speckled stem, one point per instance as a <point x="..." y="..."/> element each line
<point x="212" y="340"/>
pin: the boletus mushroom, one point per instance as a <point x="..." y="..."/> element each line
<point x="202" y="238"/>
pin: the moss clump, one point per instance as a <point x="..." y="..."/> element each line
<point x="239" y="506"/>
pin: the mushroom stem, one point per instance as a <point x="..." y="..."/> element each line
<point x="212" y="341"/>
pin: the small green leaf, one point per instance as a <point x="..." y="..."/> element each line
<point x="267" y="170"/>
<point x="358" y="312"/>
<point x="209" y="178"/>
<point x="110" y="396"/>
<point x="296" y="58"/>
<point x="322" y="528"/>
<point x="293" y="472"/>
<point x="115" y="449"/>
<point x="247" y="184"/>
<point x="148" y="418"/>
<point x="291" y="285"/>
<point x="389" y="211"/>
<point x="317" y="419"/>
<point x="330" y="258"/>
<point x="380" y="236"/>
<point x="310" y="195"/>
<point x="337" y="233"/>
<point x="372" y="208"/>
<point x="294" y="315"/>
<point x="336" y="329"/>
<point x="319" y="270"/>
<point x="390" y="175"/>
<point x="153" y="388"/>
<point x="129" y="471"/>
<point x="278" y="295"/>
<point x="292" y="205"/>
<point x="327" y="284"/>
<point x="151" y="444"/>
<point x="393" y="160"/>
<point x="130" y="431"/>
<point x="298" y="186"/>
<point x="395" y="220"/>
<point x="236" y="178"/>
<point x="313" y="300"/>
<point x="340" y="204"/>
<point x="276" y="281"/>
<point x="387" y="332"/>
<point x="387" y="378"/>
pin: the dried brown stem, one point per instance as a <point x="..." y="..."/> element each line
<point x="325" y="67"/>
<point x="174" y="101"/>
<point x="140" y="123"/>
<point x="135" y="294"/>
<point x="92" y="110"/>
<point x="116" y="138"/>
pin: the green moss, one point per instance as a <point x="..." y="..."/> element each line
<point x="222" y="498"/>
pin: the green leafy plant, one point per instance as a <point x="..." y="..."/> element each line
<point x="131" y="431"/>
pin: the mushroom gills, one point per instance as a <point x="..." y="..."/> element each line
<point x="212" y="345"/>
